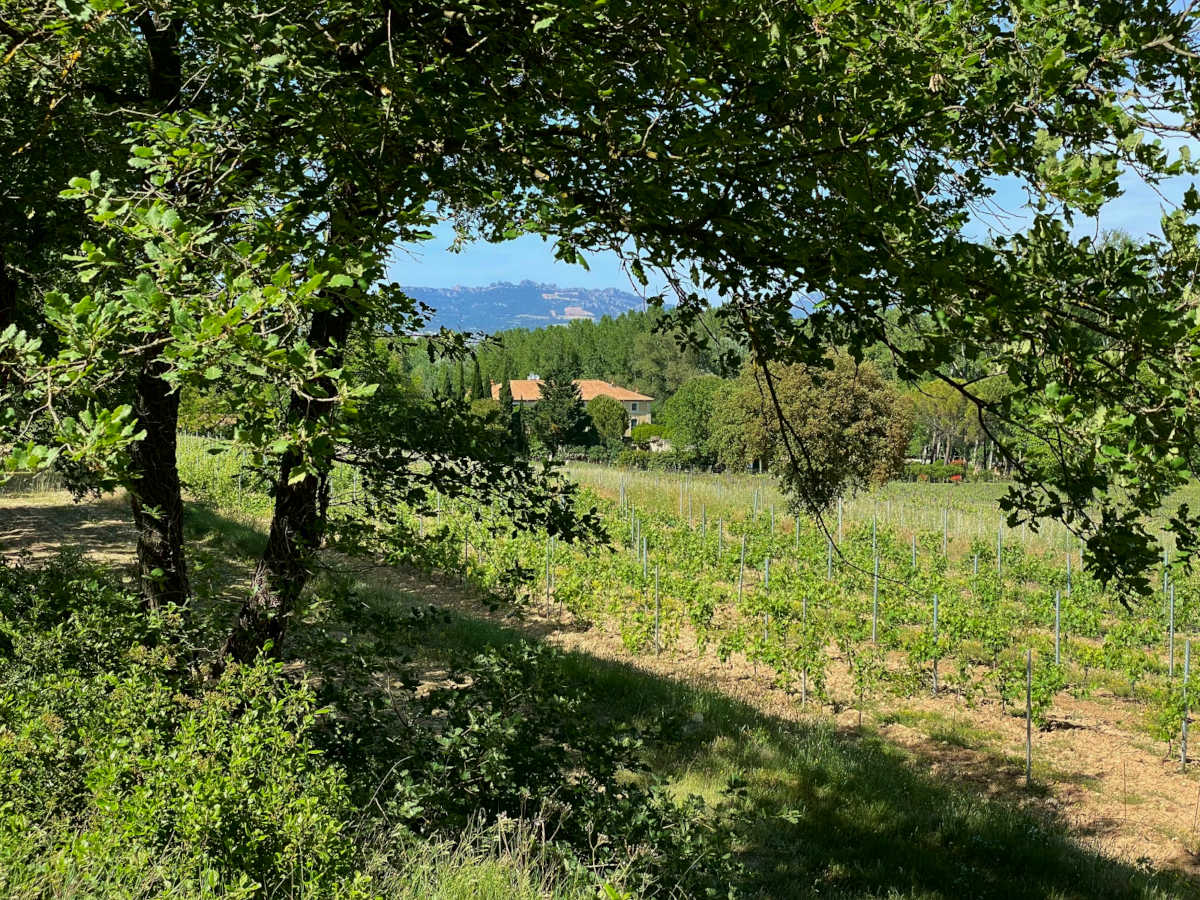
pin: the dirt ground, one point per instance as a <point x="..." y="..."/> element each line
<point x="1121" y="792"/>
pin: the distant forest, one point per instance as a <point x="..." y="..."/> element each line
<point x="639" y="350"/>
<point x="626" y="350"/>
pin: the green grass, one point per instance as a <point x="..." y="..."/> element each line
<point x="828" y="813"/>
<point x="497" y="863"/>
<point x="500" y="863"/>
<point x="952" y="730"/>
<point x="817" y="812"/>
<point x="971" y="507"/>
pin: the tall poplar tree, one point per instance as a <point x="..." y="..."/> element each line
<point x="477" y="391"/>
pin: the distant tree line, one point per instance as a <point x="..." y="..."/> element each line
<point x="633" y="350"/>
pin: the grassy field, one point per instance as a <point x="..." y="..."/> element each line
<point x="922" y="799"/>
<point x="818" y="633"/>
<point x="813" y="809"/>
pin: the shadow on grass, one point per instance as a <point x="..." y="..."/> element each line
<point x="823" y="813"/>
<point x="826" y="814"/>
<point x="237" y="539"/>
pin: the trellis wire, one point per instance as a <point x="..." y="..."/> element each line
<point x="742" y="571"/>
<point x="875" y="601"/>
<point x="547" y="576"/>
<point x="657" y="613"/>
<point x="935" y="634"/>
<point x="1171" y="633"/>
<point x="804" y="670"/>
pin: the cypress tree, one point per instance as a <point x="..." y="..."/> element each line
<point x="559" y="418"/>
<point x="516" y="428"/>
<point x="477" y="392"/>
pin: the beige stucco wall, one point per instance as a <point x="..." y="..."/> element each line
<point x="639" y="415"/>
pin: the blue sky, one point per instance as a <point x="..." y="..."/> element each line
<point x="432" y="264"/>
<point x="529" y="257"/>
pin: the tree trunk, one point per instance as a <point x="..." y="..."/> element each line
<point x="298" y="521"/>
<point x="155" y="497"/>
<point x="8" y="304"/>
<point x="8" y="295"/>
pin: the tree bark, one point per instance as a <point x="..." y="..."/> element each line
<point x="299" y="518"/>
<point x="8" y="303"/>
<point x="156" y="497"/>
<point x="8" y="295"/>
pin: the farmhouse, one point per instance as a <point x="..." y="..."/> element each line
<point x="528" y="391"/>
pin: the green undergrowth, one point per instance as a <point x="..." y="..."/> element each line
<point x="946" y="729"/>
<point x="406" y="751"/>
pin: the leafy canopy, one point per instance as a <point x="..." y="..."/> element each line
<point x="821" y="157"/>
<point x="841" y="426"/>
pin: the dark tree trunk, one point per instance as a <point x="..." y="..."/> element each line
<point x="164" y="65"/>
<point x="298" y="521"/>
<point x="8" y="303"/>
<point x="8" y="295"/>
<point x="155" y="497"/>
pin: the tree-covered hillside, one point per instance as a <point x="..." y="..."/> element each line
<point x="637" y="350"/>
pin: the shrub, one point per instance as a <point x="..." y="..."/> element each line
<point x="641" y="434"/>
<point x="110" y="756"/>
<point x="512" y="739"/>
<point x="668" y="461"/>
<point x="520" y="733"/>
<point x="121" y="774"/>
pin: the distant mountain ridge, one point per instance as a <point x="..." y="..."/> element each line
<point x="528" y="304"/>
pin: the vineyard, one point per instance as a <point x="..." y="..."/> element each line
<point x="905" y="596"/>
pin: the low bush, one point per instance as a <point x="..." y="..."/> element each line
<point x="644" y="433"/>
<point x="111" y="756"/>
<point x="667" y="461"/>
<point x="125" y="772"/>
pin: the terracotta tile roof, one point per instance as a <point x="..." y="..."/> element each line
<point x="529" y="390"/>
<point x="594" y="387"/>
<point x="525" y="389"/>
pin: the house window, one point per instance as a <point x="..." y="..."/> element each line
<point x="633" y="406"/>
